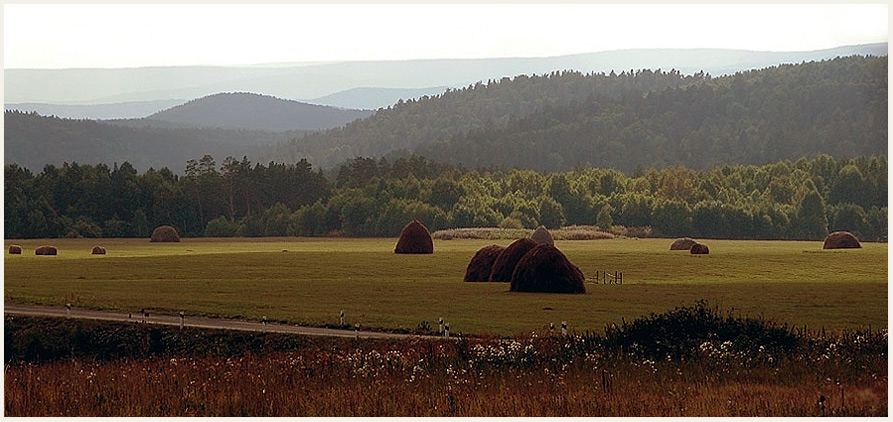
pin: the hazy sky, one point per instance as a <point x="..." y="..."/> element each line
<point x="121" y="35"/>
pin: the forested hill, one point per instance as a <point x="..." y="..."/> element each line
<point x="630" y="120"/>
<point x="782" y="113"/>
<point x="411" y="123"/>
<point x="33" y="141"/>
<point x="242" y="110"/>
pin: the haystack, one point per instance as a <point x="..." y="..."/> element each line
<point x="542" y="236"/>
<point x="682" y="244"/>
<point x="45" y="250"/>
<point x="15" y="250"/>
<point x="415" y="239"/>
<point x="480" y="265"/>
<point x="505" y="263"/>
<point x="165" y="234"/>
<point x="841" y="240"/>
<point x="98" y="250"/>
<point x="545" y="269"/>
<point x="699" y="249"/>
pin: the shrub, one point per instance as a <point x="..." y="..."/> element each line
<point x="221" y="227"/>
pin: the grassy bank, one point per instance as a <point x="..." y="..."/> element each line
<point x="689" y="361"/>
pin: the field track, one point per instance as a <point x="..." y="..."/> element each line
<point x="198" y="322"/>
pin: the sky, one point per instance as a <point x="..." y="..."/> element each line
<point x="132" y="35"/>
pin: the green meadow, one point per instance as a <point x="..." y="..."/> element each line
<point x="310" y="280"/>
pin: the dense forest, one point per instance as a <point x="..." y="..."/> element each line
<point x="410" y="123"/>
<point x="628" y="121"/>
<point x="803" y="199"/>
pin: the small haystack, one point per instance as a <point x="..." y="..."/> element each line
<point x="165" y="234"/>
<point x="545" y="269"/>
<point x="46" y="250"/>
<point x="841" y="240"/>
<point x="505" y="263"/>
<point x="542" y="236"/>
<point x="15" y="250"/>
<point x="682" y="244"/>
<point x="415" y="239"/>
<point x="98" y="250"/>
<point x="699" y="249"/>
<point x="480" y="265"/>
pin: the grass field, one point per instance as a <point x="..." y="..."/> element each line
<point x="309" y="281"/>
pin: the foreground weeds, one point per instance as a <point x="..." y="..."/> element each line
<point x="691" y="361"/>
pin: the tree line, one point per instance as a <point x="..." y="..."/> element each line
<point x="803" y="199"/>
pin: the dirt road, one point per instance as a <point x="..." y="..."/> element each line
<point x="198" y="322"/>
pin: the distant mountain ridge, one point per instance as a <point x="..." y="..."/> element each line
<point x="95" y="86"/>
<point x="374" y="98"/>
<point x="125" y="110"/>
<point x="242" y="110"/>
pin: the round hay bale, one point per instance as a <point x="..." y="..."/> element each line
<point x="542" y="236"/>
<point x="415" y="239"/>
<point x="841" y="240"/>
<point x="98" y="250"/>
<point x="480" y="265"/>
<point x="165" y="234"/>
<point x="544" y="269"/>
<point x="682" y="244"/>
<point x="505" y="263"/>
<point x="15" y="250"/>
<point x="699" y="249"/>
<point x="46" y="250"/>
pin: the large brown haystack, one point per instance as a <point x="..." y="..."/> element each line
<point x="505" y="263"/>
<point x="545" y="269"/>
<point x="46" y="250"/>
<point x="699" y="249"/>
<point x="480" y="265"/>
<point x="415" y="239"/>
<point x="98" y="250"/>
<point x="682" y="244"/>
<point x="15" y="250"/>
<point x="841" y="240"/>
<point x="542" y="236"/>
<point x="165" y="234"/>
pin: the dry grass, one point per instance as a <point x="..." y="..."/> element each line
<point x="545" y="376"/>
<point x="165" y="234"/>
<point x="496" y="233"/>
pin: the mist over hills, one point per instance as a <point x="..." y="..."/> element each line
<point x="223" y="124"/>
<point x="125" y="110"/>
<point x="629" y="120"/>
<point x="318" y="81"/>
<point x="33" y="141"/>
<point x="243" y="110"/>
<point x="375" y="98"/>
